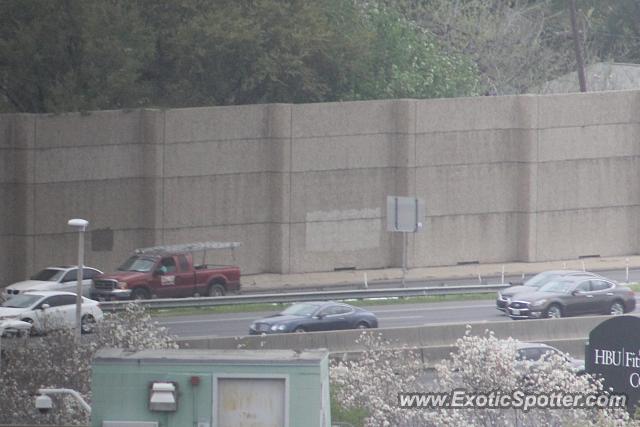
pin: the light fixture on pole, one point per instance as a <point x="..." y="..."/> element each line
<point x="80" y="225"/>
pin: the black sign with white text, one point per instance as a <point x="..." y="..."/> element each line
<point x="613" y="353"/>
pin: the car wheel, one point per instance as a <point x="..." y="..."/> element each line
<point x="140" y="293"/>
<point x="554" y="311"/>
<point x="87" y="324"/>
<point x="216" y="290"/>
<point x="32" y="331"/>
<point x="299" y="330"/>
<point x="616" y="309"/>
<point x="362" y="325"/>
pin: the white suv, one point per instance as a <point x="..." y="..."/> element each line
<point x="60" y="278"/>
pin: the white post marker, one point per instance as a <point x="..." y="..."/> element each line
<point x="80" y="225"/>
<point x="626" y="260"/>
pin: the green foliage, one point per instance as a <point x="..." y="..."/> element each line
<point x="68" y="55"/>
<point x="339" y="413"/>
<point x="404" y="61"/>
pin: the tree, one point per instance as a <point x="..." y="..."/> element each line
<point x="516" y="45"/>
<point x="56" y="361"/>
<point x="70" y="55"/>
<point x="480" y="364"/>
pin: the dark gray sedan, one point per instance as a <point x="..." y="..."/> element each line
<point x="315" y="316"/>
<point x="571" y="296"/>
<point x="506" y="295"/>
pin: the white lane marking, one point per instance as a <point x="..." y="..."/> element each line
<point x="401" y="317"/>
<point x="450" y="307"/>
<point x="207" y="320"/>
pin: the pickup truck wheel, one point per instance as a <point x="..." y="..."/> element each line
<point x="140" y="293"/>
<point x="216" y="290"/>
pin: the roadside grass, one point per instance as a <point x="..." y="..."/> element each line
<point x="277" y="307"/>
<point x="635" y="287"/>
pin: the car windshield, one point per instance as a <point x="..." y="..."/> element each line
<point x="136" y="263"/>
<point x="21" y="301"/>
<point x="559" y="286"/>
<point x="300" y="309"/>
<point x="540" y="279"/>
<point x="48" y="275"/>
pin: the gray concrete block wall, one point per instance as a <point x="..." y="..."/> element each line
<point x="304" y="187"/>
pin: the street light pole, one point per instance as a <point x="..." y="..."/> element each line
<point x="80" y="225"/>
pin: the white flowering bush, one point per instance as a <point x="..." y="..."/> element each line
<point x="481" y="364"/>
<point x="372" y="382"/>
<point x="56" y="361"/>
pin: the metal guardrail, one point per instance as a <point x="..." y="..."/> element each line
<point x="304" y="296"/>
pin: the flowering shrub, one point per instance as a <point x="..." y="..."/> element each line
<point x="57" y="361"/>
<point x="481" y="364"/>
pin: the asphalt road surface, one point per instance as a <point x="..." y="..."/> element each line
<point x="389" y="316"/>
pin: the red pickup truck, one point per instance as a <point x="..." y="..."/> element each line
<point x="168" y="272"/>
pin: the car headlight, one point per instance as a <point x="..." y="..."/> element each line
<point x="278" y="327"/>
<point x="539" y="302"/>
<point x="9" y="317"/>
<point x="122" y="285"/>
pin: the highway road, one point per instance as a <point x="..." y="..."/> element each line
<point x="389" y="316"/>
<point x="395" y="315"/>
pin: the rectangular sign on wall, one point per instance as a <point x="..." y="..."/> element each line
<point x="405" y="214"/>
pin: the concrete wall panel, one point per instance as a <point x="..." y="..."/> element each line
<point x="588" y="109"/>
<point x="589" y="142"/>
<point x="217" y="200"/>
<point x="118" y="204"/>
<point x="588" y="183"/>
<point x="86" y="163"/>
<point x="340" y="190"/>
<point x="218" y="157"/>
<point x="304" y="187"/>
<point x="308" y="256"/>
<point x="343" y="118"/>
<point x="95" y="128"/>
<point x="574" y="233"/>
<point x="472" y="188"/>
<point x="344" y="152"/>
<point x="465" y="114"/>
<point x="484" y="146"/>
<point x="487" y="238"/>
<point x="216" y="123"/>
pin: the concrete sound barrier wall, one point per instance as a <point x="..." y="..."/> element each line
<point x="519" y="178"/>
<point x="434" y="342"/>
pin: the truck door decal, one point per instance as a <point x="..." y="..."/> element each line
<point x="167" y="280"/>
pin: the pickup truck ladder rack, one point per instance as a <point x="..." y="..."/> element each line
<point x="190" y="247"/>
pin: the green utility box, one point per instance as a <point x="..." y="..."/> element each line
<point x="210" y="388"/>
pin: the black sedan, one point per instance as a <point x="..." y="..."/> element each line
<point x="315" y="316"/>
<point x="573" y="295"/>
